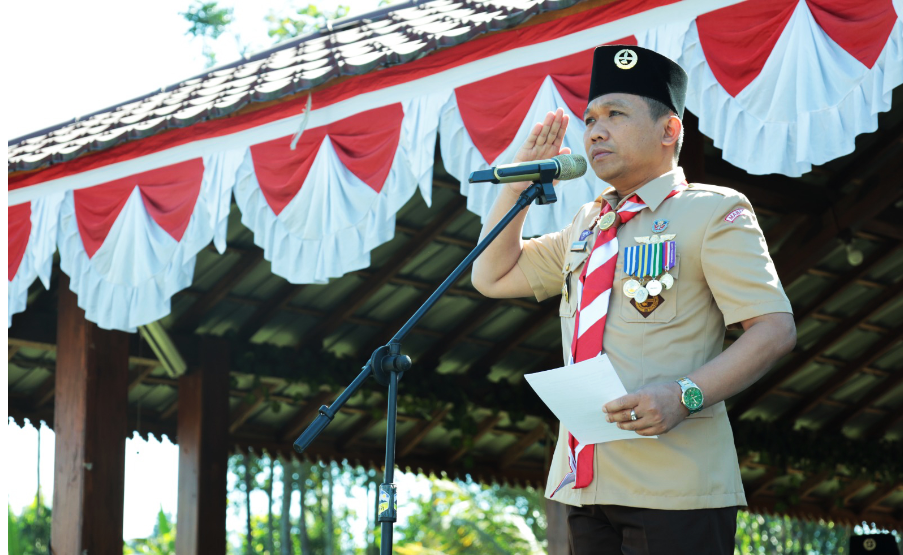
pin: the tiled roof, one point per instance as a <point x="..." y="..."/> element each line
<point x="349" y="46"/>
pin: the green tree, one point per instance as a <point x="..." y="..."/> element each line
<point x="458" y="518"/>
<point x="161" y="542"/>
<point x="208" y="21"/>
<point x="301" y="21"/>
<point x="29" y="533"/>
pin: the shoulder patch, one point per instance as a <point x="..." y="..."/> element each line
<point x="736" y="213"/>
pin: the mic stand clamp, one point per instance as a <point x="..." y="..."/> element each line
<point x="387" y="364"/>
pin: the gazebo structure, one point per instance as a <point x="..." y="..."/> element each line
<point x="219" y="257"/>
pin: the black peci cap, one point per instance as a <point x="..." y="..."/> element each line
<point x="619" y="68"/>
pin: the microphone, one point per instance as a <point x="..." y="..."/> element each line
<point x="565" y="166"/>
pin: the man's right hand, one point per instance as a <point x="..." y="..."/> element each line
<point x="544" y="142"/>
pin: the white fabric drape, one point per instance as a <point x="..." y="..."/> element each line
<point x="329" y="228"/>
<point x="807" y="105"/>
<point x="37" y="262"/>
<point x="139" y="267"/>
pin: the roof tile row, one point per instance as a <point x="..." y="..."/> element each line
<point x="352" y="46"/>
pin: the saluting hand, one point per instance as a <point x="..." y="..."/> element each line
<point x="544" y="142"/>
<point x="657" y="406"/>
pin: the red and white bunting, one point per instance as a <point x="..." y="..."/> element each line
<point x="31" y="240"/>
<point x="317" y="211"/>
<point x="129" y="245"/>
<point x="779" y="85"/>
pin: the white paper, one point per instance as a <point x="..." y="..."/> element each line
<point x="576" y="394"/>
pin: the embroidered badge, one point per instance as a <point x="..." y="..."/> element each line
<point x="736" y="213"/>
<point x="584" y="234"/>
<point x="648" y="306"/>
<point x="660" y="225"/>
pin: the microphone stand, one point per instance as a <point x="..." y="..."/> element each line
<point x="387" y="364"/>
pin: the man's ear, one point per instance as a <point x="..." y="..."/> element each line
<point x="671" y="131"/>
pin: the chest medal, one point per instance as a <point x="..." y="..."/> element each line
<point x="649" y="264"/>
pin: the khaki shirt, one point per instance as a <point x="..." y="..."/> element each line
<point x="723" y="276"/>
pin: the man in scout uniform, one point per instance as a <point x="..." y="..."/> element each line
<point x="650" y="274"/>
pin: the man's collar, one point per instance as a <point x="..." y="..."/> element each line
<point x="652" y="193"/>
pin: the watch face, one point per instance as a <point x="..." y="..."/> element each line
<point x="693" y="398"/>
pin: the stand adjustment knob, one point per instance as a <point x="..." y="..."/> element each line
<point x="397" y="363"/>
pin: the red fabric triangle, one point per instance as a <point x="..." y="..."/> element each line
<point x="365" y="143"/>
<point x="169" y="195"/>
<point x="737" y="40"/>
<point x="860" y="28"/>
<point x="280" y="170"/>
<point x="368" y="150"/>
<point x="493" y="109"/>
<point x="18" y="228"/>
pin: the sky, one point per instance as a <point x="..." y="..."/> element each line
<point x="66" y="59"/>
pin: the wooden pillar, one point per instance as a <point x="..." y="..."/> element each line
<point x="556" y="513"/>
<point x="90" y="424"/>
<point x="557" y="528"/>
<point x="203" y="436"/>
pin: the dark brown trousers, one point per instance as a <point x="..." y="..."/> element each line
<point x="616" y="530"/>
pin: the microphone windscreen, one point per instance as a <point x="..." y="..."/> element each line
<point x="572" y="166"/>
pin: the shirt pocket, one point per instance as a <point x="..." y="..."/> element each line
<point x="663" y="313"/>
<point x="570" y="272"/>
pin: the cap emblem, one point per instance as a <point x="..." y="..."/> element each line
<point x="625" y="59"/>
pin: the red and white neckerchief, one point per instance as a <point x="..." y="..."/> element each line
<point x="593" y="292"/>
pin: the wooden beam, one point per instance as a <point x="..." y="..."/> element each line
<point x="514" y="452"/>
<point x="11" y="352"/>
<point x="267" y="310"/>
<point x="776" y="377"/>
<point x="843" y="375"/>
<point x="385" y="332"/>
<point x="811" y="483"/>
<point x="44" y="393"/>
<point x="188" y="321"/>
<point x="146" y="371"/>
<point x="850" y="211"/>
<point x="838" y="287"/>
<point x="473" y="320"/>
<point x="531" y="324"/>
<point x="203" y="451"/>
<point x="421" y="430"/>
<point x="90" y="426"/>
<point x="382" y="276"/>
<point x="880" y="429"/>
<point x="762" y="484"/>
<point x="877" y="391"/>
<point x="876" y="497"/>
<point x="246" y="410"/>
<point x="851" y="490"/>
<point x="359" y="429"/>
<point x="822" y="511"/>
<point x="302" y="418"/>
<point x="889" y="230"/>
<point x="484" y="427"/>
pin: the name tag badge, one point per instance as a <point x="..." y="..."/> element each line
<point x="578" y="246"/>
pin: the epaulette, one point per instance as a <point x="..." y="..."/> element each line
<point x="723" y="191"/>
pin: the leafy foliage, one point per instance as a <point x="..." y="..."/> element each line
<point x="301" y="21"/>
<point x="29" y="533"/>
<point x="162" y="542"/>
<point x="207" y="19"/>
<point x="459" y="518"/>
